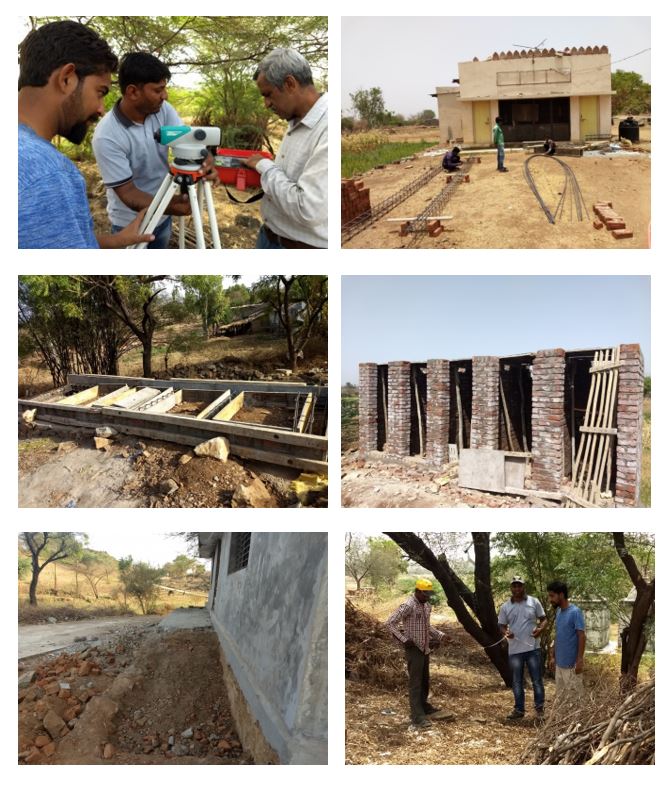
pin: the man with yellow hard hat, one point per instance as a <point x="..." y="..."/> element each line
<point x="410" y="625"/>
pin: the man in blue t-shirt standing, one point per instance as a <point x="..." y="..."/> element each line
<point x="65" y="73"/>
<point x="569" y="648"/>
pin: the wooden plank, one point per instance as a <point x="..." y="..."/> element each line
<point x="556" y="495"/>
<point x="79" y="398"/>
<point x="505" y="410"/>
<point x="459" y="410"/>
<point x="112" y="397"/>
<point x="228" y="411"/>
<point x="418" y="411"/>
<point x="305" y="413"/>
<point x="215" y="385"/>
<point x="411" y="219"/>
<point x="204" y="414"/>
<point x="604" y="431"/>
<point x="598" y="367"/>
<point x="574" y="499"/>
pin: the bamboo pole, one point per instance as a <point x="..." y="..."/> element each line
<point x="505" y="410"/>
<point x="459" y="410"/>
<point x="418" y="410"/>
<point x="523" y="421"/>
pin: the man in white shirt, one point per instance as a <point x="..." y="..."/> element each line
<point x="295" y="185"/>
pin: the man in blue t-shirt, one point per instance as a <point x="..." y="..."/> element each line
<point x="569" y="648"/>
<point x="65" y="73"/>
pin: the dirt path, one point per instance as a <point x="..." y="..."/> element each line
<point x="35" y="640"/>
<point x="498" y="210"/>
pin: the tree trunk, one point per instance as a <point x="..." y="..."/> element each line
<point x="33" y="587"/>
<point x="632" y="637"/>
<point x="147" y="358"/>
<point x="485" y="631"/>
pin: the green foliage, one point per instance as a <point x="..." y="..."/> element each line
<point x="178" y="342"/>
<point x="224" y="52"/>
<point x="24" y="565"/>
<point x="647" y="387"/>
<point x="369" y="106"/>
<point x="386" y="562"/>
<point x="347" y="124"/>
<point x="358" y="162"/>
<point x="205" y="297"/>
<point x="178" y="568"/>
<point x="237" y="294"/>
<point x="140" y="581"/>
<point x="587" y="562"/>
<point x="632" y="95"/>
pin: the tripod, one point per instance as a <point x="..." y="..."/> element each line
<point x="198" y="190"/>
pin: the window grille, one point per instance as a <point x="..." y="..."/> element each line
<point x="239" y="551"/>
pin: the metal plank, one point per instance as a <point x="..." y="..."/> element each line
<point x="215" y="385"/>
<point x="112" y="397"/>
<point x="137" y="398"/>
<point x="214" y="405"/>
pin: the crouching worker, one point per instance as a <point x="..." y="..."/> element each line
<point x="549" y="147"/>
<point x="451" y="161"/>
<point x="410" y="625"/>
<point x="295" y="204"/>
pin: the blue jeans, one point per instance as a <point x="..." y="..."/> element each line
<point x="264" y="243"/>
<point x="162" y="235"/>
<point x="500" y="157"/>
<point x="517" y="663"/>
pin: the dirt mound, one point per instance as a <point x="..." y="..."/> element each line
<point x="371" y="653"/>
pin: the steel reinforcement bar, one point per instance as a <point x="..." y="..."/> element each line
<point x="351" y="229"/>
<point x="419" y="225"/>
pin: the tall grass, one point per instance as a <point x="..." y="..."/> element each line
<point x="362" y="152"/>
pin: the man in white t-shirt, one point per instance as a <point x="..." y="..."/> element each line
<point x="522" y="619"/>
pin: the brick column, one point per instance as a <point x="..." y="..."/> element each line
<point x="367" y="408"/>
<point x="399" y="408"/>
<point x="485" y="403"/>
<point x="548" y="420"/>
<point x="439" y="395"/>
<point x="629" y="427"/>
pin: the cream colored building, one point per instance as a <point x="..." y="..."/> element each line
<point x="537" y="93"/>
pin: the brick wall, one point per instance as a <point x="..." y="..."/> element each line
<point x="485" y="403"/>
<point x="367" y="407"/>
<point x="439" y="394"/>
<point x="398" y="430"/>
<point x="629" y="426"/>
<point x="548" y="420"/>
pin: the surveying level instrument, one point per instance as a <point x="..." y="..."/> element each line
<point x="189" y="153"/>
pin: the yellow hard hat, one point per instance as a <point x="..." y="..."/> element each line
<point x="424" y="584"/>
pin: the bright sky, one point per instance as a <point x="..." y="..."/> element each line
<point x="155" y="548"/>
<point x="408" y="57"/>
<point x="417" y="318"/>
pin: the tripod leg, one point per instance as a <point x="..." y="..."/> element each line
<point x="157" y="208"/>
<point x="212" y="218"/>
<point x="196" y="216"/>
<point x="181" y="233"/>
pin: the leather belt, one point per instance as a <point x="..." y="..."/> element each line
<point x="288" y="244"/>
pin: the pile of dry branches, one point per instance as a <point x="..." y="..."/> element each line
<point x="600" y="728"/>
<point x="371" y="653"/>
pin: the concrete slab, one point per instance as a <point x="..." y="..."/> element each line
<point x="482" y="470"/>
<point x="186" y="619"/>
<point x="514" y="472"/>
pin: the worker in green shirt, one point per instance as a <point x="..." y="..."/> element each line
<point x="498" y="140"/>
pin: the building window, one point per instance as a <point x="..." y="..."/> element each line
<point x="239" y="551"/>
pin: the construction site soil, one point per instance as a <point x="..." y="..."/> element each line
<point x="370" y="483"/>
<point x="498" y="210"/>
<point x="63" y="469"/>
<point x="146" y="698"/>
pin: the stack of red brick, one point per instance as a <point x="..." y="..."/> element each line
<point x="609" y="218"/>
<point x="355" y="200"/>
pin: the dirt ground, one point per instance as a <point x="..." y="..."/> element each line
<point x="57" y="470"/>
<point x="379" y="484"/>
<point x="463" y="683"/>
<point x="498" y="210"/>
<point x="238" y="224"/>
<point x="146" y="698"/>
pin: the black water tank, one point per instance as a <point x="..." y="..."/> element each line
<point x="630" y="130"/>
